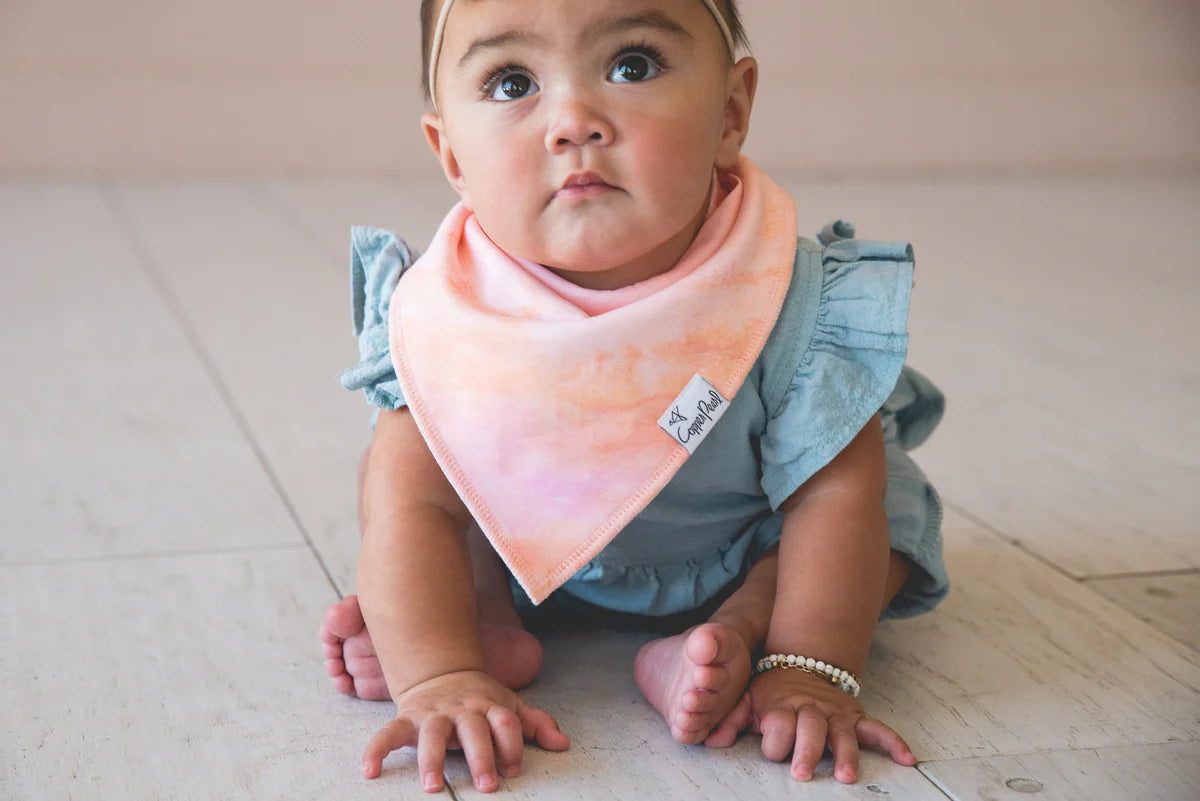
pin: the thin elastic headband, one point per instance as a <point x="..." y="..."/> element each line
<point x="440" y="30"/>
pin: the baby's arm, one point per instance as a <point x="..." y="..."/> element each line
<point x="414" y="573"/>
<point x="833" y="557"/>
<point x="417" y="597"/>
<point x="833" y="567"/>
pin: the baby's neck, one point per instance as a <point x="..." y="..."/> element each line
<point x="656" y="262"/>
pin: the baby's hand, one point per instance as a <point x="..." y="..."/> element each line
<point x="468" y="710"/>
<point x="799" y="713"/>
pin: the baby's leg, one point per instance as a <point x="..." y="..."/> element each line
<point x="512" y="655"/>
<point x="695" y="679"/>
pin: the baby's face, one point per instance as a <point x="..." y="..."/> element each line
<point x="638" y="94"/>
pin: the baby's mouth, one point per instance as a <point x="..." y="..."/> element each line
<point x="585" y="184"/>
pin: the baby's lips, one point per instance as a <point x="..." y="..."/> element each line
<point x="586" y="178"/>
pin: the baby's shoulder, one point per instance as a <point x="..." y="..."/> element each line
<point x="848" y="298"/>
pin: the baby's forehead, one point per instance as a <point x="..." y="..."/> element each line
<point x="511" y="11"/>
<point x="586" y="20"/>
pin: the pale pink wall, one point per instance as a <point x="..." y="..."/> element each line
<point x="311" y="87"/>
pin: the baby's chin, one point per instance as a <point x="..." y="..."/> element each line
<point x="585" y="250"/>
<point x="600" y="255"/>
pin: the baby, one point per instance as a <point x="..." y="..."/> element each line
<point x="619" y="380"/>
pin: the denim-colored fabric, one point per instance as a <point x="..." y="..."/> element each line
<point x="377" y="261"/>
<point x="834" y="359"/>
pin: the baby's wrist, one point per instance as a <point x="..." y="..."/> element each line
<point x="416" y="681"/>
<point x="820" y="670"/>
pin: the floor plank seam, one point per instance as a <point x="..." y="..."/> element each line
<point x="125" y="225"/>
<point x="1064" y="750"/>
<point x="934" y="781"/>
<point x="1183" y="571"/>
<point x="1013" y="541"/>
<point x="126" y="557"/>
<point x="1154" y="625"/>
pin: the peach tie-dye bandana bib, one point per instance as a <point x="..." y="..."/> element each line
<point x="557" y="412"/>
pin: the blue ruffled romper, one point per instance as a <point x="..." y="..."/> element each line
<point x="834" y="359"/>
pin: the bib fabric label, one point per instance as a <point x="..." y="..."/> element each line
<point x="694" y="413"/>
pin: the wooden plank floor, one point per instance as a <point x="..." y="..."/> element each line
<point x="176" y="505"/>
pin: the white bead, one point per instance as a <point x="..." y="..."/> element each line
<point x="810" y="662"/>
<point x="829" y="670"/>
<point x="837" y="673"/>
<point x="791" y="659"/>
<point x="820" y="666"/>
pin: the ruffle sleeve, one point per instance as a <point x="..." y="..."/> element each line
<point x="378" y="259"/>
<point x="851" y="364"/>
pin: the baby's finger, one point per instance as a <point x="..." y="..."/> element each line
<point x="392" y="737"/>
<point x="778" y="728"/>
<point x="510" y="742"/>
<point x="811" y="730"/>
<point x="540" y="727"/>
<point x="726" y="733"/>
<point x="431" y="751"/>
<point x="476" y="739"/>
<point x="876" y="733"/>
<point x="844" y="744"/>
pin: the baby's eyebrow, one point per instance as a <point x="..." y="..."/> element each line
<point x="605" y="25"/>
<point x="500" y="40"/>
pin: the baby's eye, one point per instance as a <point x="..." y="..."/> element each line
<point x="512" y="86"/>
<point x="634" y="67"/>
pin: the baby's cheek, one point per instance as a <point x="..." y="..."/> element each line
<point x="675" y="169"/>
<point x="505" y="199"/>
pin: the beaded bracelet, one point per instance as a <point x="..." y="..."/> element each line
<point x="842" y="679"/>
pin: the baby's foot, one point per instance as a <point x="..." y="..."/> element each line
<point x="695" y="678"/>
<point x="349" y="653"/>
<point x="511" y="655"/>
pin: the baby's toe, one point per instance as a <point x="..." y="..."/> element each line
<point x="699" y="701"/>
<point x="370" y="689"/>
<point x="344" y="684"/>
<point x="359" y="646"/>
<point x="342" y="620"/>
<point x="689" y="735"/>
<point x="702" y="647"/>
<point x="713" y="679"/>
<point x="713" y="644"/>
<point x="364" y="667"/>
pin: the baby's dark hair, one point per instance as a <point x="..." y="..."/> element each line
<point x="428" y="8"/>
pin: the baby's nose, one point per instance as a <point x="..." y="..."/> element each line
<point x="577" y="123"/>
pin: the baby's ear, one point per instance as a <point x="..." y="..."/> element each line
<point x="739" y="101"/>
<point x="439" y="143"/>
